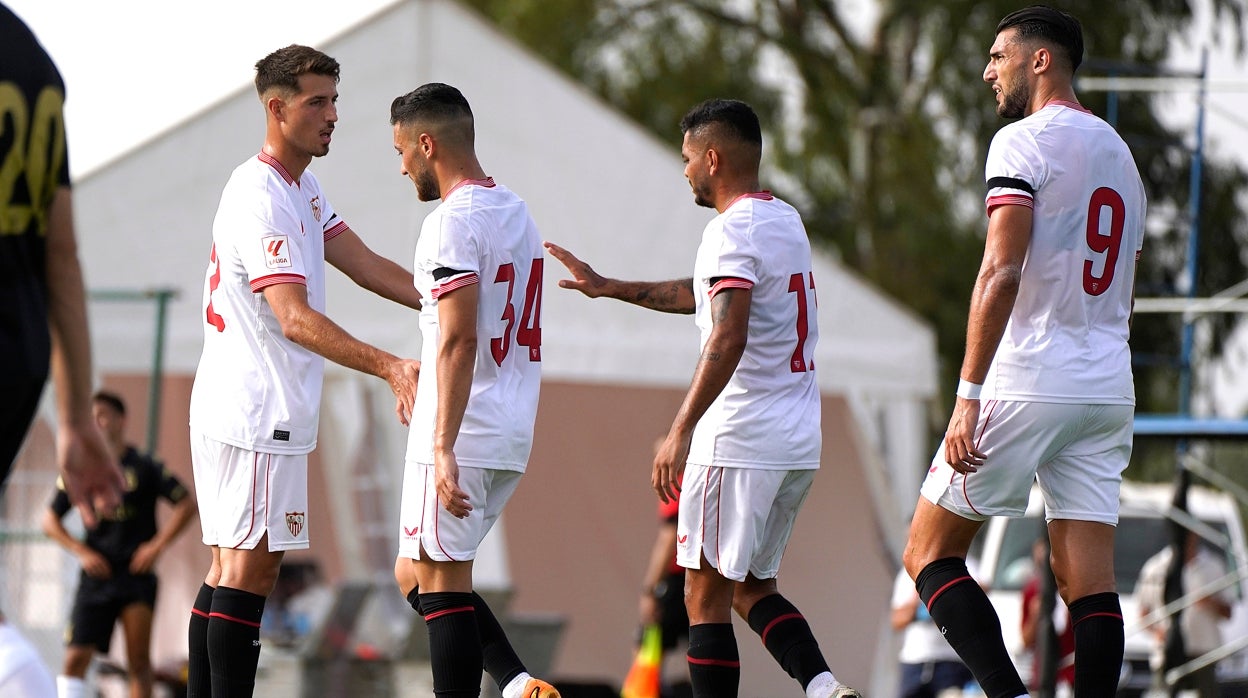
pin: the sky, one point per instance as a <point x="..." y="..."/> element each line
<point x="134" y="68"/>
<point x="173" y="62"/>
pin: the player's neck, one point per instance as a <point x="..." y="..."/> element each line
<point x="293" y="160"/>
<point x="730" y="191"/>
<point x="1048" y="94"/>
<point x="451" y="174"/>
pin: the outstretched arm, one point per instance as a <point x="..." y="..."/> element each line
<point x="316" y="332"/>
<point x="675" y="296"/>
<point x="91" y="475"/>
<point x="370" y="270"/>
<point x="730" y="315"/>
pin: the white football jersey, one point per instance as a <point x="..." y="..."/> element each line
<point x="1066" y="340"/>
<point x="768" y="416"/>
<point x="482" y="233"/>
<point x="254" y="388"/>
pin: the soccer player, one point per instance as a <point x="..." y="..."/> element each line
<point x="479" y="265"/>
<point x="118" y="580"/>
<point x="256" y="399"/>
<point x="44" y="312"/>
<point x="748" y="428"/>
<point x="1046" y="390"/>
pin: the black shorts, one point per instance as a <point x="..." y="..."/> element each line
<point x="99" y="603"/>
<point x="17" y="411"/>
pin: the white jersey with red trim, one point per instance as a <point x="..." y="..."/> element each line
<point x="767" y="417"/>
<point x="254" y="388"/>
<point x="482" y="233"/>
<point x="1066" y="339"/>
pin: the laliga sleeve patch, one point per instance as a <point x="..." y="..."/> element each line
<point x="276" y="252"/>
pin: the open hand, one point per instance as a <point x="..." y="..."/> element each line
<point x="584" y="278"/>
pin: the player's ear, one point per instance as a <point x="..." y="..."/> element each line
<point x="426" y="145"/>
<point x="712" y="160"/>
<point x="1041" y="60"/>
<point x="275" y="106"/>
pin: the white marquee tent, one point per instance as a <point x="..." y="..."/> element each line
<point x="596" y="183"/>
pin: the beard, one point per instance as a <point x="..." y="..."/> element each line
<point x="701" y="197"/>
<point x="1013" y="102"/>
<point x="427" y="186"/>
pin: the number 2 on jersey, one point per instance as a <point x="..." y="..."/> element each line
<point x="1108" y="243"/>
<point x="797" y="284"/>
<point x="529" y="333"/>
<point x="210" y="315"/>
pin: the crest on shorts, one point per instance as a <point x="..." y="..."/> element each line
<point x="316" y="208"/>
<point x="295" y="521"/>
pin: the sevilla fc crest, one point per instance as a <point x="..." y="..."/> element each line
<point x="316" y="208"/>
<point x="295" y="521"/>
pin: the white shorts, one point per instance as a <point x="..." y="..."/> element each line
<point x="244" y="494"/>
<point x="423" y="522"/>
<point x="739" y="518"/>
<point x="1076" y="452"/>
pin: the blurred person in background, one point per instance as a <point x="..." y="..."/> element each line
<point x="118" y="558"/>
<point x="1198" y="623"/>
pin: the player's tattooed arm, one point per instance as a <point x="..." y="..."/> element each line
<point x="675" y="296"/>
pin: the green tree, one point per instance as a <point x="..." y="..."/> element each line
<point x="877" y="130"/>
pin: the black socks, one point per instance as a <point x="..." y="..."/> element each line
<point x="1097" y="619"/>
<point x="966" y="618"/>
<point x="234" y="641"/>
<point x="714" y="665"/>
<point x="198" y="676"/>
<point x="787" y="636"/>
<point x="454" y="643"/>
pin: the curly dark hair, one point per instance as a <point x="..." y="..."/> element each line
<point x="1043" y="22"/>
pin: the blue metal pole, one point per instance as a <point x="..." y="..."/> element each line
<point x="1193" y="241"/>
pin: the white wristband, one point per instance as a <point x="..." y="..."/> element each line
<point x="969" y="390"/>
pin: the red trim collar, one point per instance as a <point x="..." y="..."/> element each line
<point x="273" y="162"/>
<point x="1069" y="105"/>
<point x="488" y="182"/>
<point x="764" y="195"/>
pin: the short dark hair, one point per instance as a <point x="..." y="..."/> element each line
<point x="1043" y="22"/>
<point x="734" y="114"/>
<point x="282" y="68"/>
<point x="434" y="101"/>
<point x="113" y="400"/>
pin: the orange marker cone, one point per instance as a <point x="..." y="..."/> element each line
<point x="643" y="677"/>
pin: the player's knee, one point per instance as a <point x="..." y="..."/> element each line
<point x="405" y="574"/>
<point x="914" y="559"/>
<point x="750" y="592"/>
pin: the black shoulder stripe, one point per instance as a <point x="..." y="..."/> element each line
<point x="443" y="272"/>
<point x="1010" y="183"/>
